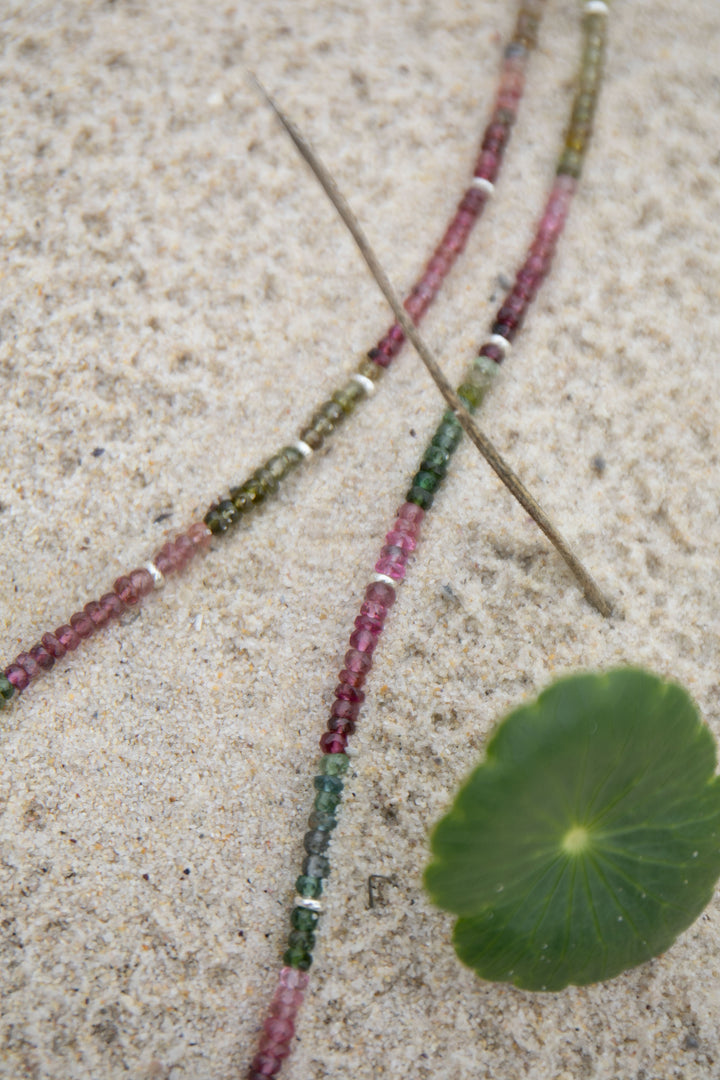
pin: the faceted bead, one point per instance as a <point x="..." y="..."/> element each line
<point x="326" y="822"/>
<point x="404" y="540"/>
<point x="356" y="660"/>
<point x="17" y="676"/>
<point x="424" y="499"/>
<point x="345" y="692"/>
<point x="266" y="1065"/>
<point x="339" y="726"/>
<point x="199" y="534"/>
<point x="427" y="480"/>
<point x="31" y="666"/>
<point x="391" y="568"/>
<point x="493" y="352"/>
<point x="408" y="512"/>
<point x="344" y="710"/>
<point x="316" y="841"/>
<point x="82" y="624"/>
<point x="333" y="742"/>
<point x="124" y="589"/>
<point x="334" y="765"/>
<point x="44" y="659"/>
<point x="96" y="613"/>
<point x="309" y="887"/>
<point x="292" y="980"/>
<point x="380" y="592"/>
<point x="112" y="605"/>
<point x="327" y="802"/>
<point x="141" y="581"/>
<point x="373" y="614"/>
<point x="363" y="640"/>
<point x="316" y="866"/>
<point x="303" y="919"/>
<point x="279" y="1030"/>
<point x="53" y="646"/>
<point x="328" y="783"/>
<point x="471" y="395"/>
<point x="67" y="637"/>
<point x="215" y="523"/>
<point x="298" y="958"/>
<point x="352" y="678"/>
<point x="6" y="687"/>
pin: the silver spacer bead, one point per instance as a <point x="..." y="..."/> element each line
<point x="386" y="578"/>
<point x="157" y="576"/>
<point x="303" y="447"/>
<point x="362" y="380"/>
<point x="596" y="7"/>
<point x="483" y="185"/>
<point x="309" y="903"/>
<point x="502" y="343"/>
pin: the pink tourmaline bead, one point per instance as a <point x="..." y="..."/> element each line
<point x="44" y="659"/>
<point x="124" y="589"/>
<point x="292" y="978"/>
<point x="53" y="646"/>
<point x="67" y="637"/>
<point x="364" y="641"/>
<point x="391" y="569"/>
<point x="199" y="534"/>
<point x="266" y="1064"/>
<point x="279" y="1030"/>
<point x="18" y="676"/>
<point x="403" y="540"/>
<point x="96" y="613"/>
<point x="163" y="559"/>
<point x="332" y="742"/>
<point x="364" y="622"/>
<point x="82" y="624"/>
<point x="112" y="605"/>
<point x="336" y="726"/>
<point x="375" y="612"/>
<point x="352" y="678"/>
<point x="345" y="710"/>
<point x="286" y="1002"/>
<point x="357" y="661"/>
<point x="411" y="512"/>
<point x="30" y="665"/>
<point x="346" y="692"/>
<point x="379" y="592"/>
<point x="184" y="547"/>
<point x="141" y="581"/>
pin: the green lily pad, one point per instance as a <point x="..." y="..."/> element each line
<point x="588" y="839"/>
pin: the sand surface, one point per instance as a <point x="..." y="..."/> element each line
<point x="175" y="297"/>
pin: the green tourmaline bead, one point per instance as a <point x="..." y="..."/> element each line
<point x="427" y="481"/>
<point x="308" y="887"/>
<point x="7" y="690"/>
<point x="334" y="764"/>
<point x="297" y="958"/>
<point x="471" y="395"/>
<point x="228" y="512"/>
<point x="316" y="841"/>
<point x="301" y="939"/>
<point x="326" y="802"/>
<point x="316" y="866"/>
<point x="327" y="822"/>
<point x="571" y="163"/>
<point x="303" y="919"/>
<point x="328" y="783"/>
<point x="420" y="497"/>
<point x="435" y="460"/>
<point x="214" y="521"/>
<point x="348" y="396"/>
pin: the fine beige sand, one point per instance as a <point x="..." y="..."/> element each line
<point x="175" y="297"/>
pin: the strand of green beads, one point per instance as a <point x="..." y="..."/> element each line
<point x="279" y="1027"/>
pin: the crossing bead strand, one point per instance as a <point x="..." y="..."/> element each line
<point x="400" y="542"/>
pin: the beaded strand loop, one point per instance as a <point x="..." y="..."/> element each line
<point x="401" y="541"/>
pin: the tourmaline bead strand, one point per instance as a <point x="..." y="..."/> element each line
<point x="400" y="543"/>
<point x="127" y="592"/>
<point x="265" y="481"/>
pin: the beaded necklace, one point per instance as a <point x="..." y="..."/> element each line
<point x="129" y="589"/>
<point x="400" y="542"/>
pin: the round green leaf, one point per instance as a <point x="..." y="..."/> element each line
<point x="587" y="839"/>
